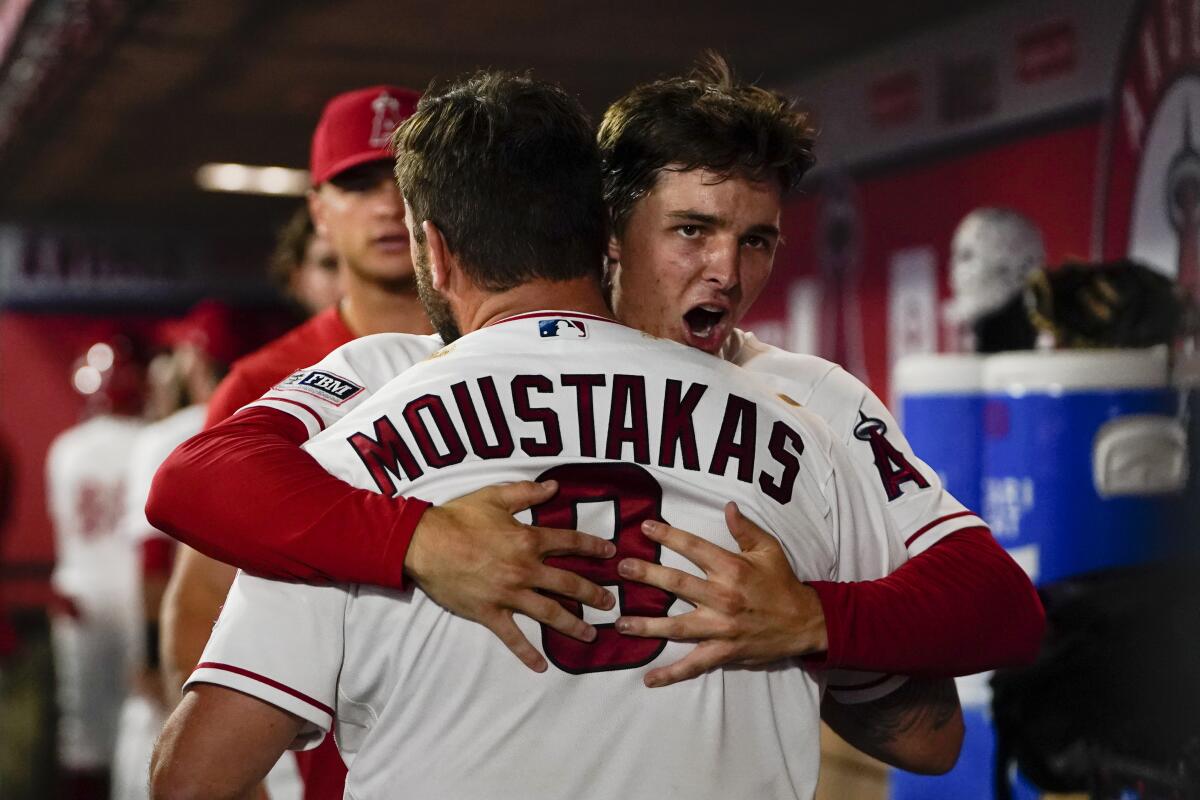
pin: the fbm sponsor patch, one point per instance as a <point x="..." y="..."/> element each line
<point x="320" y="384"/>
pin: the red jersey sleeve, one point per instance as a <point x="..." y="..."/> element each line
<point x="231" y="394"/>
<point x="301" y="524"/>
<point x="962" y="606"/>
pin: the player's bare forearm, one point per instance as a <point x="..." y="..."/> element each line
<point x="750" y="608"/>
<point x="219" y="745"/>
<point x="191" y="604"/>
<point x="479" y="563"/>
<point x="918" y="727"/>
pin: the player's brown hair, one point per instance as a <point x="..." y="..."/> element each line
<point x="291" y="245"/>
<point x="508" y="169"/>
<point x="707" y="119"/>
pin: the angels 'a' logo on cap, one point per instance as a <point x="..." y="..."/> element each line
<point x="387" y="118"/>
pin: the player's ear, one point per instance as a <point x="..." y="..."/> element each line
<point x="316" y="210"/>
<point x="440" y="265"/>
<point x="612" y="264"/>
<point x="613" y="253"/>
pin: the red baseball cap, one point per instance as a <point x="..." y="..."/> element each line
<point x="356" y="127"/>
<point x="209" y="327"/>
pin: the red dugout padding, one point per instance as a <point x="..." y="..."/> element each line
<point x="37" y="352"/>
<point x="36" y="403"/>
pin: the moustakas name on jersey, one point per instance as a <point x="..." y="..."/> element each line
<point x="632" y="428"/>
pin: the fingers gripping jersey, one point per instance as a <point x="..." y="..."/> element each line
<point x="632" y="428"/>
<point x="921" y="510"/>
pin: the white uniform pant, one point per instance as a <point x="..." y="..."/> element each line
<point x="140" y="723"/>
<point x="92" y="659"/>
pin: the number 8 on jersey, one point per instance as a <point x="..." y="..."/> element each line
<point x="636" y="497"/>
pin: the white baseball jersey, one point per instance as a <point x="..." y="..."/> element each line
<point x="86" y="469"/>
<point x="921" y="510"/>
<point x="426" y="704"/>
<point x="153" y="445"/>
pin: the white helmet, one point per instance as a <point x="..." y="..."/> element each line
<point x="993" y="252"/>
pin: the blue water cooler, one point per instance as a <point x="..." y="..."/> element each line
<point x="939" y="402"/>
<point x="1084" y="459"/>
<point x="1075" y="459"/>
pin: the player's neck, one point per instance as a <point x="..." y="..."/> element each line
<point x="370" y="308"/>
<point x="582" y="294"/>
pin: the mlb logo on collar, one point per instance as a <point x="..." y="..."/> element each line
<point x="562" y="328"/>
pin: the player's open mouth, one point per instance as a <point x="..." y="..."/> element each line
<point x="704" y="326"/>
<point x="395" y="241"/>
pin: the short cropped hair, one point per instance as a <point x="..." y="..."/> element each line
<point x="705" y="120"/>
<point x="508" y="169"/>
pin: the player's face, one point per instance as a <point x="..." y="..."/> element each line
<point x="695" y="253"/>
<point x="361" y="213"/>
<point x="316" y="283"/>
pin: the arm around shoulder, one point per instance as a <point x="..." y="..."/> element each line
<point x="268" y="507"/>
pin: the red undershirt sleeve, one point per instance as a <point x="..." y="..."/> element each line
<point x="243" y="492"/>
<point x="962" y="606"/>
<point x="158" y="554"/>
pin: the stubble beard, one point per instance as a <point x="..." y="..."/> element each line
<point x="436" y="307"/>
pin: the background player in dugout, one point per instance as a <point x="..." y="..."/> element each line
<point x="305" y="267"/>
<point x="94" y="623"/>
<point x="707" y="145"/>
<point x="357" y="210"/>
<point x="464" y="157"/>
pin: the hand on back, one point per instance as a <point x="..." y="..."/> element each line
<point x="475" y="560"/>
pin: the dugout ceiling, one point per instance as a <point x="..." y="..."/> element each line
<point x="107" y="107"/>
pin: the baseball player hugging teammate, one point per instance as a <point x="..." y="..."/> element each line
<point x="520" y="396"/>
